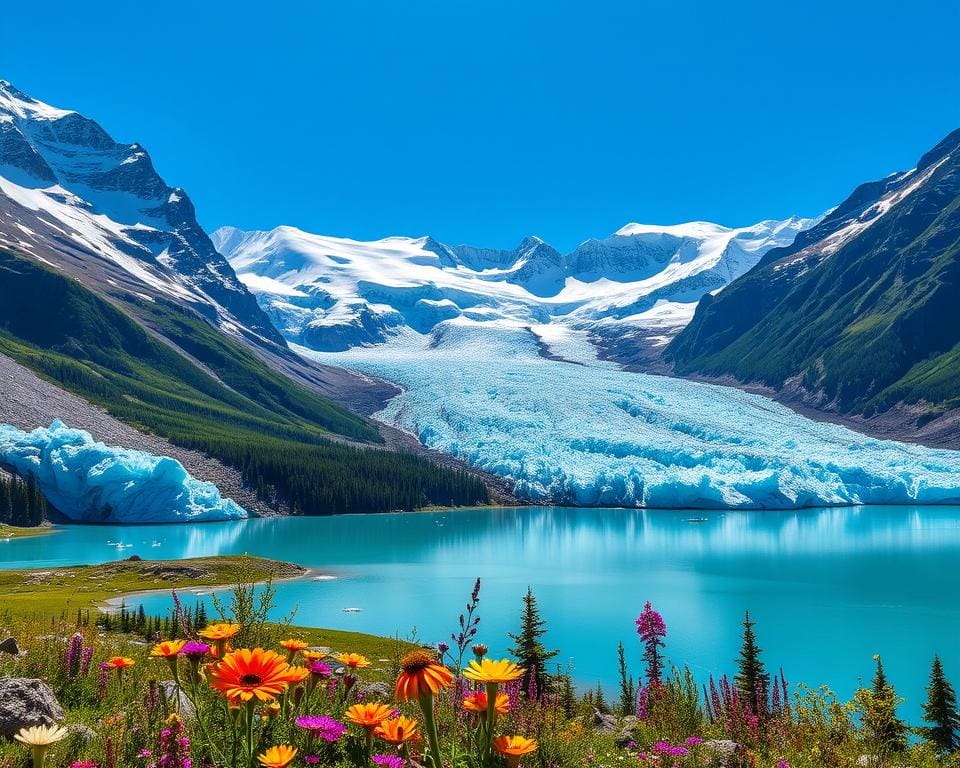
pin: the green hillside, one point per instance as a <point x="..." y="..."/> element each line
<point x="249" y="416"/>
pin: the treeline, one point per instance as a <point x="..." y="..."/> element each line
<point x="21" y="502"/>
<point x="328" y="478"/>
<point x="178" y="624"/>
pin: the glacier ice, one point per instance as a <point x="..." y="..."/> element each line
<point x="591" y="434"/>
<point x="91" y="482"/>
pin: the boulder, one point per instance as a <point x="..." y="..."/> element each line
<point x="724" y="749"/>
<point x="604" y="723"/>
<point x="10" y="646"/>
<point x="25" y="702"/>
<point x="374" y="691"/>
<point x="173" y="696"/>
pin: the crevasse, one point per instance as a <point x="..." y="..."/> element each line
<point x="89" y="481"/>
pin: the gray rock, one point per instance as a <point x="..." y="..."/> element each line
<point x="374" y="691"/>
<point x="724" y="749"/>
<point x="604" y="723"/>
<point x="25" y="702"/>
<point x="10" y="646"/>
<point x="169" y="688"/>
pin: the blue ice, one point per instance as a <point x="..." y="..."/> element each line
<point x="91" y="482"/>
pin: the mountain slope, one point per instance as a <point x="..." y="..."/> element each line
<point x="861" y="314"/>
<point x="73" y="197"/>
<point x="331" y="294"/>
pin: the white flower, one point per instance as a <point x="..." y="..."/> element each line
<point x="40" y="735"/>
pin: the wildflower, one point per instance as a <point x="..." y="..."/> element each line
<point x="313" y="655"/>
<point x="513" y="747"/>
<point x="293" y="647"/>
<point x="245" y="674"/>
<point x="477" y="702"/>
<point x="696" y="741"/>
<point x="174" y="745"/>
<point x="143" y="754"/>
<point x="83" y="764"/>
<point x="271" y="710"/>
<point x="487" y="671"/>
<point x="86" y="656"/>
<point x="168" y="651"/>
<point x="479" y="650"/>
<point x="442" y="648"/>
<point x="368" y="716"/>
<point x="353" y="660"/>
<point x="388" y="761"/>
<point x="297" y="675"/>
<point x="194" y="650"/>
<point x="397" y="730"/>
<point x="120" y="662"/>
<point x="322" y="726"/>
<point x="420" y="674"/>
<point x="39" y="738"/>
<point x="221" y="631"/>
<point x="279" y="756"/>
<point x="319" y="670"/>
<point x="71" y="661"/>
<point x="312" y="759"/>
<point x="781" y="763"/>
<point x="102" y="681"/>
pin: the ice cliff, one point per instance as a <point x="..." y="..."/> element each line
<point x="91" y="482"/>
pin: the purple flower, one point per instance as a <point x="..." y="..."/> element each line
<point x="388" y="761"/>
<point x="143" y="754"/>
<point x="312" y="759"/>
<point x="442" y="648"/>
<point x="72" y="659"/>
<point x="781" y="763"/>
<point x="194" y="650"/>
<point x="322" y="726"/>
<point x="695" y="741"/>
<point x="86" y="655"/>
<point x="320" y="669"/>
<point x="83" y="764"/>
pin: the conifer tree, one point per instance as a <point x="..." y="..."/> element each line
<point x="628" y="691"/>
<point x="752" y="679"/>
<point x="940" y="710"/>
<point x="878" y="705"/>
<point x="529" y="649"/>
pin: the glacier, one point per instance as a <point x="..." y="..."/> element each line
<point x="91" y="482"/>
<point x="588" y="433"/>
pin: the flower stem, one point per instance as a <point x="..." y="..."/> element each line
<point x="430" y="721"/>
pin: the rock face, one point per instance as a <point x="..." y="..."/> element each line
<point x="25" y="702"/>
<point x="10" y="646"/>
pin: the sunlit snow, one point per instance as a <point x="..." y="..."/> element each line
<point x="93" y="482"/>
<point x="594" y="435"/>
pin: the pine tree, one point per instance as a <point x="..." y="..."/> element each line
<point x="627" y="689"/>
<point x="879" y="708"/>
<point x="529" y="649"/>
<point x="600" y="701"/>
<point x="752" y="678"/>
<point x="940" y="710"/>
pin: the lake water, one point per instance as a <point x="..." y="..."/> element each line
<point x="828" y="587"/>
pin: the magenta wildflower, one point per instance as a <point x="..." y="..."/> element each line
<point x="312" y="759"/>
<point x="102" y="681"/>
<point x="652" y="631"/>
<point x="86" y="656"/>
<point x="143" y="754"/>
<point x="388" y="761"/>
<point x="83" y="764"/>
<point x="174" y="746"/>
<point x="322" y="726"/>
<point x="781" y="763"/>
<point x="71" y="661"/>
<point x="194" y="650"/>
<point x="320" y="669"/>
<point x="694" y="741"/>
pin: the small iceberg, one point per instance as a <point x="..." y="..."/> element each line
<point x="91" y="482"/>
<point x="352" y="610"/>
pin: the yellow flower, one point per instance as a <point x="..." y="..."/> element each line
<point x="512" y="747"/>
<point x="279" y="756"/>
<point x="294" y="645"/>
<point x="354" y="660"/>
<point x="167" y="648"/>
<point x="477" y="702"/>
<point x="313" y="655"/>
<point x="120" y="662"/>
<point x="487" y="671"/>
<point x="421" y="675"/>
<point x="221" y="631"/>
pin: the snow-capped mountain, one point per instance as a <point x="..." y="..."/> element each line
<point x="76" y="199"/>
<point x="331" y="293"/>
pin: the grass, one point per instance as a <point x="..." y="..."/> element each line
<point x="15" y="532"/>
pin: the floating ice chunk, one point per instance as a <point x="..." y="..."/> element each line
<point x="92" y="482"/>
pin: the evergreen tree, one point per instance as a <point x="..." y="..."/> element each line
<point x="627" y="689"/>
<point x="940" y="710"/>
<point x="600" y="701"/>
<point x="752" y="679"/>
<point x="882" y="727"/>
<point x="529" y="649"/>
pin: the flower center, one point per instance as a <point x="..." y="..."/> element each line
<point x="416" y="661"/>
<point x="251" y="679"/>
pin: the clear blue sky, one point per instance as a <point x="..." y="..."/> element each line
<point x="482" y="122"/>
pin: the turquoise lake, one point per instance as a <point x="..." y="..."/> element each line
<point x="828" y="588"/>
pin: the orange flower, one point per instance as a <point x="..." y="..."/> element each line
<point x="271" y="710"/>
<point x="167" y="649"/>
<point x="279" y="756"/>
<point x="294" y="645"/>
<point x="512" y="747"/>
<point x="120" y="662"/>
<point x="354" y="660"/>
<point x="313" y="655"/>
<point x="297" y="675"/>
<point x="221" y="631"/>
<point x="477" y="702"/>
<point x="397" y="730"/>
<point x="368" y="715"/>
<point x="487" y="671"/>
<point x="421" y="675"/>
<point x="245" y="674"/>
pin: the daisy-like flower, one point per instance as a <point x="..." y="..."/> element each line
<point x="487" y="671"/>
<point x="421" y="675"/>
<point x="297" y="675"/>
<point x="279" y="756"/>
<point x="353" y="660"/>
<point x="293" y="647"/>
<point x="388" y="761"/>
<point x="477" y="702"/>
<point x="322" y="726"/>
<point x="39" y="738"/>
<point x="369" y="715"/>
<point x="120" y="662"/>
<point x="313" y="655"/>
<point x="246" y="674"/>
<point x="167" y="648"/>
<point x="222" y="631"/>
<point x="397" y="730"/>
<point x="513" y="747"/>
<point x="194" y="650"/>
